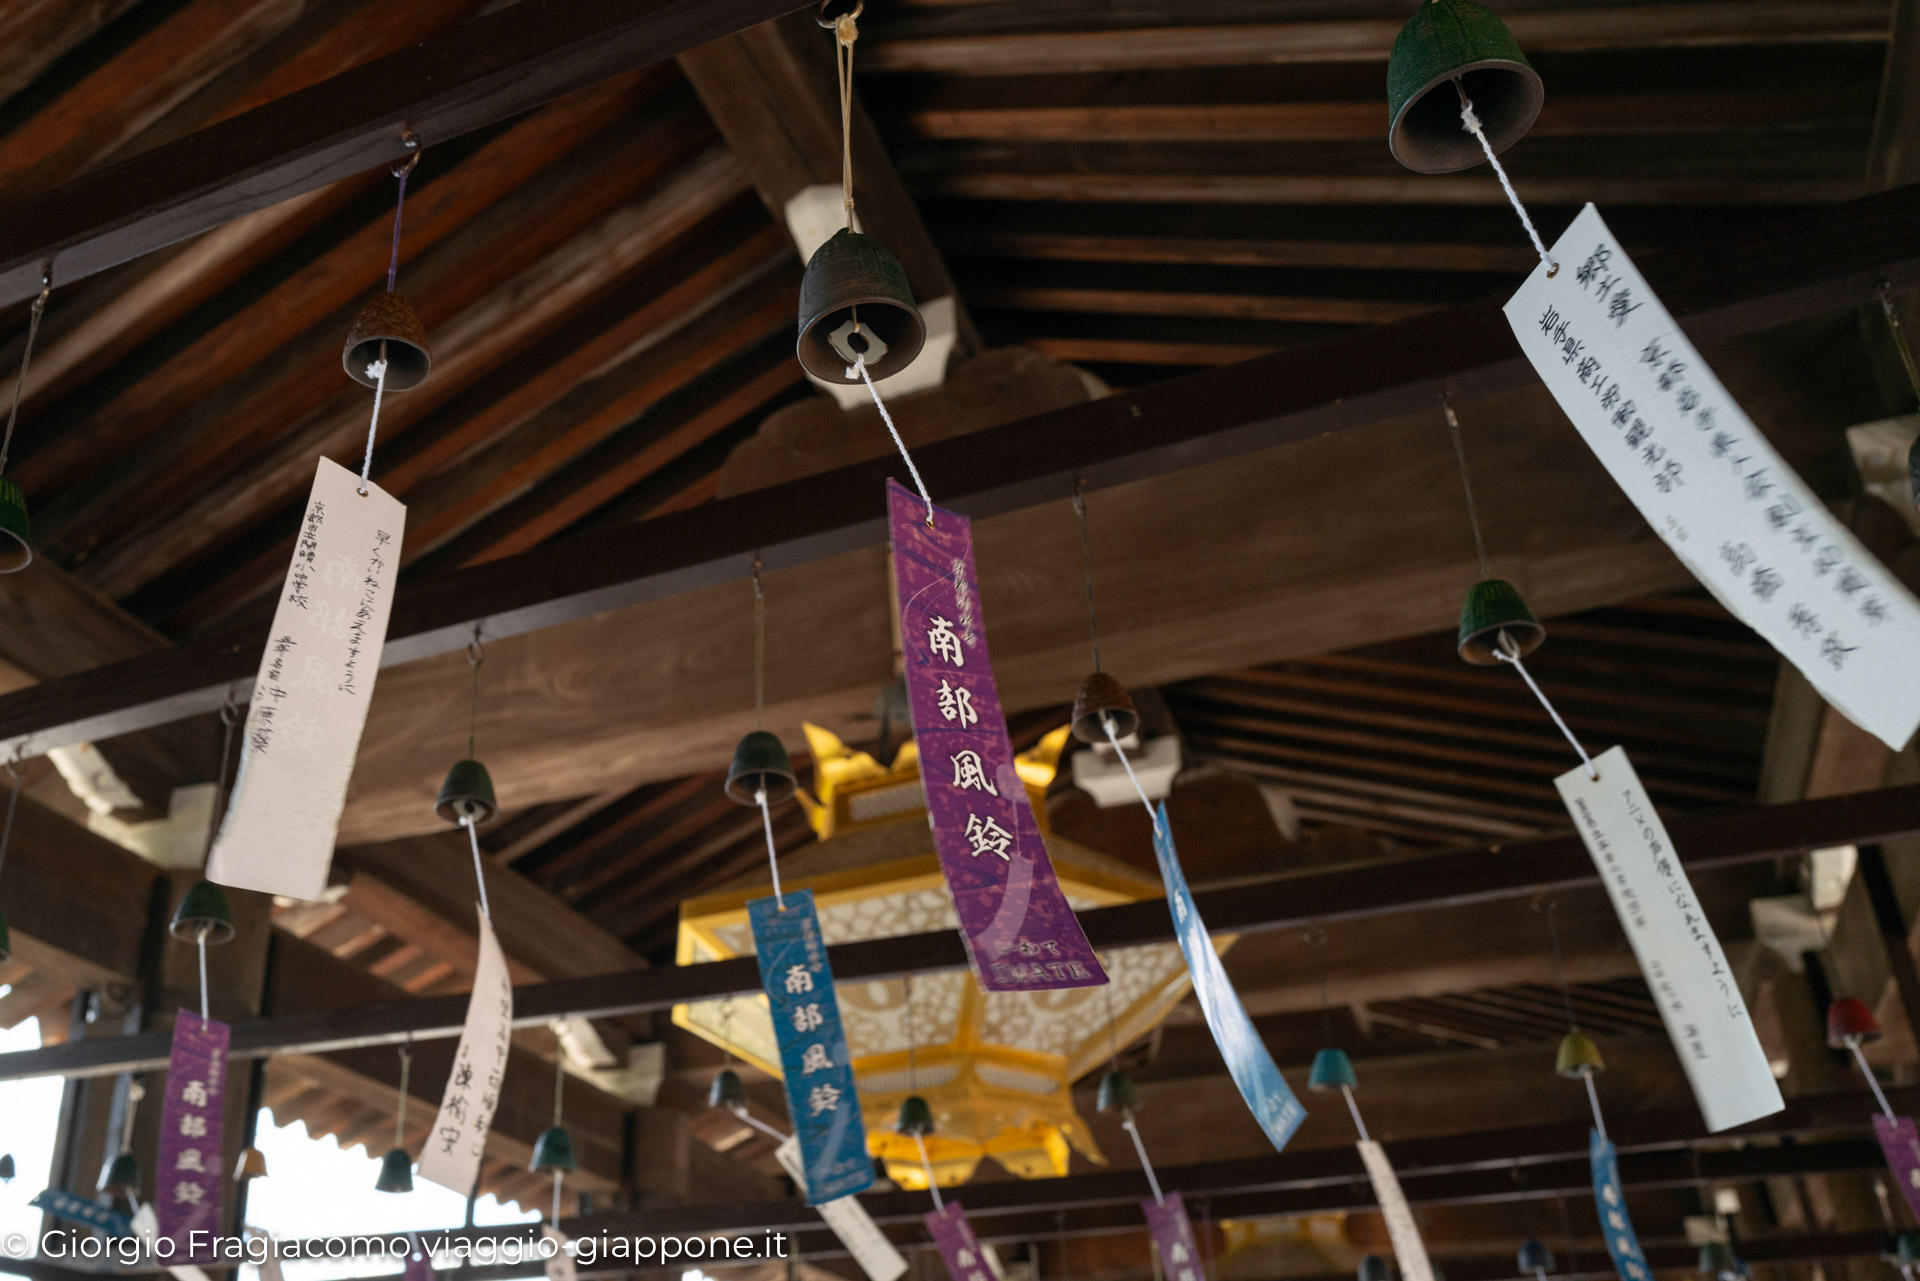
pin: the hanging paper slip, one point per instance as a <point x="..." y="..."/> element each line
<point x="813" y="1047"/>
<point x="1901" y="1144"/>
<point x="1408" y="1248"/>
<point x="958" y="1246"/>
<point x="1678" y="953"/>
<point x="1261" y="1085"/>
<point x="1610" y="1202"/>
<point x="1021" y="935"/>
<point x="452" y="1153"/>
<point x="1173" y="1237"/>
<point x="188" y="1180"/>
<point x="850" y="1222"/>
<point x="310" y="697"/>
<point x="81" y="1210"/>
<point x="1705" y="477"/>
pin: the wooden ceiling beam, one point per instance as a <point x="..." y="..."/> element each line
<point x="474" y="74"/>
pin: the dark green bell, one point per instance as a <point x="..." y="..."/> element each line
<point x="1373" y="1268"/>
<point x="1717" y="1260"/>
<point x="1578" y="1056"/>
<point x="6" y="939"/>
<point x="16" y="546"/>
<point x="1102" y="699"/>
<point x="204" y="910"/>
<point x="467" y="793"/>
<point x="728" y="1092"/>
<point x="1906" y="1247"/>
<point x="1492" y="607"/>
<point x="916" y="1118"/>
<point x="1534" y="1257"/>
<point x="396" y="1172"/>
<point x="854" y="292"/>
<point x="6" y="1168"/>
<point x="761" y="761"/>
<point x="1332" y="1070"/>
<point x="553" y="1150"/>
<point x="1117" y="1093"/>
<point x="1447" y="41"/>
<point x="122" y="1176"/>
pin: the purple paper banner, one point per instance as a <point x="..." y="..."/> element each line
<point x="1173" y="1235"/>
<point x="1901" y="1143"/>
<point x="188" y="1182"/>
<point x="1021" y="935"/>
<point x="958" y="1246"/>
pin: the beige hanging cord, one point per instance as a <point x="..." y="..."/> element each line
<point x="846" y="30"/>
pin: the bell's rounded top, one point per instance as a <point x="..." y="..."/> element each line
<point x="204" y="910"/>
<point x="854" y="292"/>
<point x="1102" y="699"/>
<point x="396" y="1172"/>
<point x="1449" y="41"/>
<point x="916" y="1118"/>
<point x="1850" y="1022"/>
<point x="16" y="531"/>
<point x="122" y="1175"/>
<point x="6" y="1167"/>
<point x="1117" y="1093"/>
<point x="1493" y="607"/>
<point x="1534" y="1257"/>
<point x="1373" y="1268"/>
<point x="1578" y="1056"/>
<point x="761" y="761"/>
<point x="468" y="794"/>
<point x="553" y="1150"/>
<point x="388" y="319"/>
<point x="252" y="1165"/>
<point x="727" y="1091"/>
<point x="1331" y="1070"/>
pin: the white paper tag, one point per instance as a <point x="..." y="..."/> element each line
<point x="560" y="1265"/>
<point x="310" y="697"/>
<point x="1681" y="959"/>
<point x="849" y="1221"/>
<point x="1408" y="1248"/>
<point x="1705" y="477"/>
<point x="452" y="1154"/>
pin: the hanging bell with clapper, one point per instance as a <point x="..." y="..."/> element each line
<point x="1451" y="51"/>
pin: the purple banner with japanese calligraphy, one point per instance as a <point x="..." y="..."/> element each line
<point x="1902" y="1145"/>
<point x="958" y="1245"/>
<point x="1173" y="1237"/>
<point x="1021" y="935"/>
<point x="187" y="1183"/>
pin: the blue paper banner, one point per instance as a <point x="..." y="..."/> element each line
<point x="1251" y="1067"/>
<point x="74" y="1209"/>
<point x="813" y="1047"/>
<point x="1611" y="1201"/>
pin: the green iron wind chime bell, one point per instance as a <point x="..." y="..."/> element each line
<point x="1452" y="51"/>
<point x="396" y="1167"/>
<point x="6" y="1168"/>
<point x="121" y="1177"/>
<point x="553" y="1151"/>
<point x="466" y="798"/>
<point x="203" y="914"/>
<point x="1578" y="1056"/>
<point x="1332" y="1070"/>
<point x="1117" y="1093"/>
<point x="761" y="765"/>
<point x="1373" y="1267"/>
<point x="1494" y="608"/>
<point x="1535" y="1258"/>
<point x="728" y="1092"/>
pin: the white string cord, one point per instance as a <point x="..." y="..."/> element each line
<point x="1127" y="1123"/>
<point x="859" y="366"/>
<point x="1471" y="123"/>
<point x="1853" y="1043"/>
<point x="1506" y="652"/>
<point x="773" y="859"/>
<point x="768" y="1130"/>
<point x="556" y="1198"/>
<point x="1354" y="1108"/>
<point x="479" y="875"/>
<point x="1153" y="815"/>
<point x="203" y="978"/>
<point x="933" y="1184"/>
<point x="1593" y="1097"/>
<point x="378" y="372"/>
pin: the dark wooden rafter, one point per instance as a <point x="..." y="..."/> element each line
<point x="1807" y="265"/>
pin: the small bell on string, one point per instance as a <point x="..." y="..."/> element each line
<point x="1717" y="1261"/>
<point x="728" y="1092"/>
<point x="387" y="319"/>
<point x="467" y="793"/>
<point x="6" y="1167"/>
<point x="1447" y="41"/>
<point x="1534" y="1257"/>
<point x="855" y="301"/>
<point x="761" y="761"/>
<point x="16" y="532"/>
<point x="1578" y="1056"/>
<point x="553" y="1150"/>
<point x="916" y="1118"/>
<point x="203" y="911"/>
<point x="396" y="1172"/>
<point x="122" y="1176"/>
<point x="252" y="1165"/>
<point x="1117" y="1093"/>
<point x="1850" y="1022"/>
<point x="1332" y="1070"/>
<point x="1493" y="606"/>
<point x="1102" y="699"/>
<point x="1373" y="1268"/>
<point x="1906" y="1247"/>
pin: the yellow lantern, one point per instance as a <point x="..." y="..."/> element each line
<point x="996" y="1068"/>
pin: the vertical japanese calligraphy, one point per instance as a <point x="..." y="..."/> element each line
<point x="1709" y="482"/>
<point x="850" y="1222"/>
<point x="1678" y="953"/>
<point x="187" y="1179"/>
<point x="1408" y="1248"/>
<point x="1173" y="1236"/>
<point x="1901" y="1144"/>
<point x="813" y="1047"/>
<point x="1267" y="1093"/>
<point x="452" y="1153"/>
<point x="1021" y="936"/>
<point x="958" y="1246"/>
<point x="310" y="697"/>
<point x="1610" y="1201"/>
